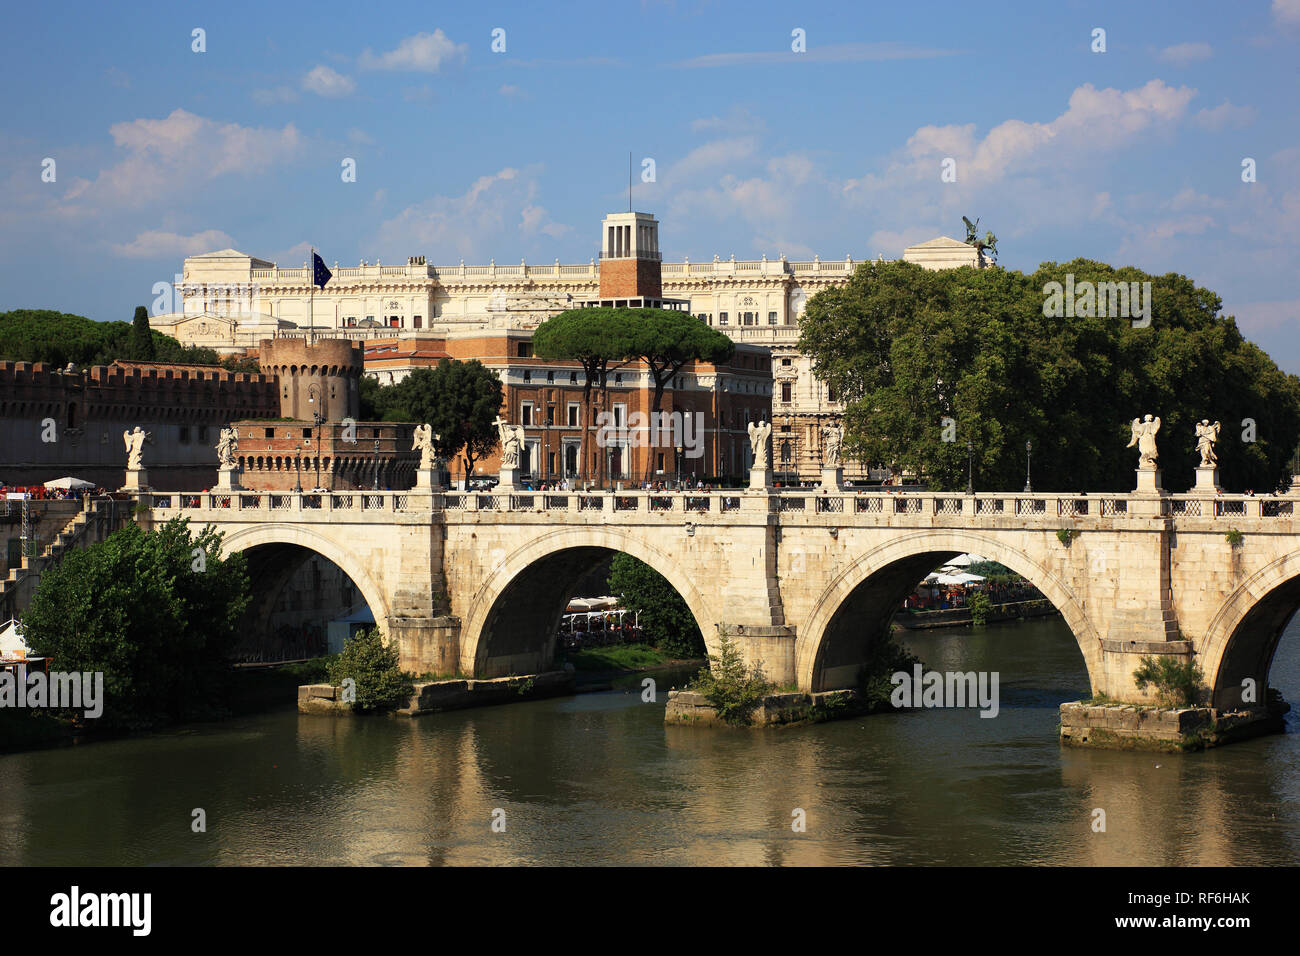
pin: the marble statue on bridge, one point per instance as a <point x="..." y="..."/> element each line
<point x="227" y="447"/>
<point x="833" y="436"/>
<point x="759" y="433"/>
<point x="423" y="440"/>
<point x="135" y="447"/>
<point x="1144" y="436"/>
<point x="512" y="442"/>
<point x="1206" y="437"/>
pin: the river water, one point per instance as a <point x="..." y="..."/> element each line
<point x="599" y="779"/>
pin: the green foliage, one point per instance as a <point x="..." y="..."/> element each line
<point x="617" y="657"/>
<point x="380" y="683"/>
<point x="732" y="689"/>
<point x="1066" y="535"/>
<point x="667" y="622"/>
<point x="906" y="347"/>
<point x="980" y="605"/>
<point x="885" y="658"/>
<point x="135" y="608"/>
<point x="1234" y="537"/>
<point x="42" y="335"/>
<point x="459" y="399"/>
<point x="992" y="570"/>
<point x="141" y="341"/>
<point x="1177" y="682"/>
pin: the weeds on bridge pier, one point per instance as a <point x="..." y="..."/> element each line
<point x="1177" y="682"/>
<point x="733" y="690"/>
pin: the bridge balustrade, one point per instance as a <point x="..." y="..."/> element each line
<point x="698" y="503"/>
<point x="557" y="502"/>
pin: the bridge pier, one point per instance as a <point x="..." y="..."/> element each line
<point x="428" y="645"/>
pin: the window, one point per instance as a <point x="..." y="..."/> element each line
<point x="550" y="418"/>
<point x="785" y="391"/>
<point x="370" y="320"/>
<point x="416" y="322"/>
<point x="528" y="376"/>
<point x="203" y="434"/>
<point x="526" y="414"/>
<point x="785" y="452"/>
<point x="524" y="349"/>
<point x="618" y="378"/>
<point x="394" y="322"/>
<point x="184" y="433"/>
<point x="352" y="321"/>
<point x="620" y="415"/>
<point x="830" y="394"/>
<point x="785" y="363"/>
<point x="573" y="414"/>
<point x="306" y="433"/>
<point x="771" y="318"/>
<point x="573" y="378"/>
<point x="550" y="378"/>
<point x="268" y="433"/>
<point x="722" y="318"/>
<point x="550" y="462"/>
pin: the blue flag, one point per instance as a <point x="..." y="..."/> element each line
<point x="320" y="274"/>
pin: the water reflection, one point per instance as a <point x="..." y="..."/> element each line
<point x="599" y="779"/>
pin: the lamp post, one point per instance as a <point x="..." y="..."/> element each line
<point x="677" y="461"/>
<point x="1028" y="450"/>
<point x="317" y="420"/>
<point x="297" y="461"/>
<point x="375" y="485"/>
<point x="970" y="468"/>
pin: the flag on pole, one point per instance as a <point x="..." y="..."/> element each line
<point x="320" y="274"/>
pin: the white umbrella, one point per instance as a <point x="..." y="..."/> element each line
<point x="69" y="483"/>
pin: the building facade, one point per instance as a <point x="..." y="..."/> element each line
<point x="230" y="301"/>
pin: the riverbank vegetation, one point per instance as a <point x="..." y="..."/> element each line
<point x="1177" y="682"/>
<point x="733" y="689"/>
<point x="156" y="613"/>
<point x="371" y="665"/>
<point x="661" y="613"/>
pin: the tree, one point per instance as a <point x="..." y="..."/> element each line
<point x="373" y="666"/>
<point x="141" y="343"/>
<point x="666" y="621"/>
<point x="156" y="612"/>
<point x="594" y="338"/>
<point x="927" y="361"/>
<point x="57" y="338"/>
<point x="459" y="399"/>
<point x="668" y="340"/>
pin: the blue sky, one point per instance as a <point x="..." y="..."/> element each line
<point x="1131" y="156"/>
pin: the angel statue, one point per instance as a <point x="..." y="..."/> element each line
<point x="135" y="447"/>
<point x="759" y="433"/>
<point x="833" y="436"/>
<point x="227" y="447"/>
<point x="1206" y="436"/>
<point x="1144" y="436"/>
<point x="512" y="441"/>
<point x="971" y="236"/>
<point x="424" y="439"/>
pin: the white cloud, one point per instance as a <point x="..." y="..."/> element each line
<point x="1286" y="11"/>
<point x="422" y="53"/>
<point x="1182" y="54"/>
<point x="1225" y="115"/>
<point x="325" y="81"/>
<point x="275" y="96"/>
<point x="739" y="120"/>
<point x="491" y="216"/>
<point x="156" y="244"/>
<point x="184" y="150"/>
<point x="508" y="90"/>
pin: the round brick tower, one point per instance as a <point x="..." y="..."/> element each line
<point x="321" y="377"/>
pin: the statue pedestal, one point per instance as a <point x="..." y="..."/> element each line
<point x="1207" y="480"/>
<point x="1295" y="485"/>
<point x="1148" y="482"/>
<point x="508" y="479"/>
<point x="228" y="479"/>
<point x="137" y="479"/>
<point x="833" y="478"/>
<point x="428" y="479"/>
<point x="760" y="479"/>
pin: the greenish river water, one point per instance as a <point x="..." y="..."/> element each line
<point x="599" y="779"/>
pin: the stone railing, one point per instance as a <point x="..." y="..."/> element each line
<point x="1043" y="510"/>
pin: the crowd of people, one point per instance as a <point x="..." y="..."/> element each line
<point x="41" y="493"/>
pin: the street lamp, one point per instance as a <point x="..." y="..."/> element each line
<point x="677" y="461"/>
<point x="297" y="461"/>
<point x="1028" y="449"/>
<point x="375" y="486"/>
<point x="970" y="468"/>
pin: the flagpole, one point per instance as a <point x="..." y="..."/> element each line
<point x="311" y="300"/>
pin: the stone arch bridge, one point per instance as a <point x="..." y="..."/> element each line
<point x="804" y="580"/>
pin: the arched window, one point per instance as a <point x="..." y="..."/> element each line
<point x="785" y="452"/>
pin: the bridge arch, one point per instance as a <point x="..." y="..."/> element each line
<point x="275" y="533"/>
<point x="1244" y="634"/>
<point x="864" y="597"/>
<point x="508" y="615"/>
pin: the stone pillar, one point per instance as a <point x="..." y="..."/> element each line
<point x="509" y="477"/>
<point x="1148" y="482"/>
<point x="428" y="479"/>
<point x="1207" y="480"/>
<point x="228" y="478"/>
<point x="760" y="478"/>
<point x="137" y="479"/>
<point x="832" y="478"/>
